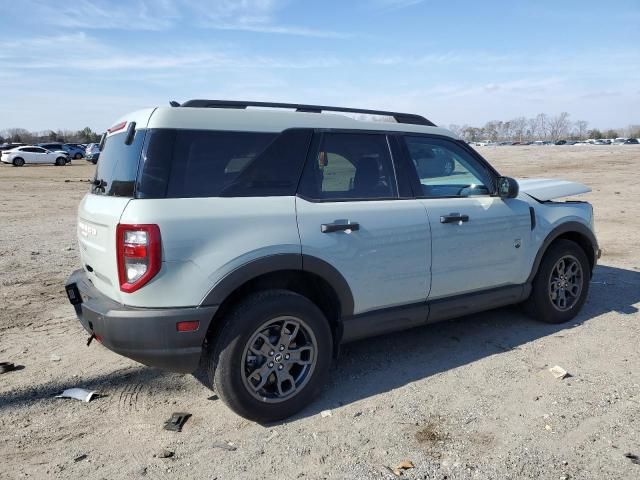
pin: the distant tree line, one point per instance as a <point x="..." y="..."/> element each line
<point x="541" y="127"/>
<point x="21" y="135"/>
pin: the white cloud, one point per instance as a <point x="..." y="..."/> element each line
<point x="70" y="53"/>
<point x="138" y="15"/>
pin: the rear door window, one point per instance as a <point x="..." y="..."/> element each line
<point x="355" y="166"/>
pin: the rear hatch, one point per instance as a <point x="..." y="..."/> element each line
<point x="100" y="210"/>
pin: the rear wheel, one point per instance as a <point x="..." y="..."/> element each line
<point x="77" y="156"/>
<point x="18" y="162"/>
<point x="60" y="161"/>
<point x="272" y="355"/>
<point x="561" y="285"/>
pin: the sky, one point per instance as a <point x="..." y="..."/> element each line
<point x="67" y="65"/>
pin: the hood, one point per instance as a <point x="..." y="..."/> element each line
<point x="547" y="189"/>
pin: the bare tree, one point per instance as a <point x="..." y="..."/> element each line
<point x="492" y="130"/>
<point x="559" y="126"/>
<point x="581" y="128"/>
<point x="19" y="135"/>
<point x="519" y="127"/>
<point x="457" y="129"/>
<point x="532" y="128"/>
<point x="542" y="126"/>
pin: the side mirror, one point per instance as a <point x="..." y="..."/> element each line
<point x="507" y="187"/>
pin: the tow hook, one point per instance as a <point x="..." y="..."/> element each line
<point x="93" y="335"/>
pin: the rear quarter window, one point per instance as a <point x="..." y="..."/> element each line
<point x="203" y="163"/>
<point x="117" y="167"/>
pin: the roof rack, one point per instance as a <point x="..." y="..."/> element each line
<point x="399" y="117"/>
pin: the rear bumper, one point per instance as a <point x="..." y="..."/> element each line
<point x="146" y="335"/>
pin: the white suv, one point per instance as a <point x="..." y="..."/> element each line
<point x="256" y="241"/>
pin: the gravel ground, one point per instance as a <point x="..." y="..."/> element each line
<point x="471" y="398"/>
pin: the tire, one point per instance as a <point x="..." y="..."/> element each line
<point x="545" y="305"/>
<point x="77" y="156"/>
<point x="241" y="352"/>
<point x="61" y="161"/>
<point x="94" y="161"/>
<point x="18" y="162"/>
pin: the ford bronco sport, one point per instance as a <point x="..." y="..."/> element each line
<point x="254" y="241"/>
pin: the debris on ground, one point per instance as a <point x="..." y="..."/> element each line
<point x="54" y="358"/>
<point x="230" y="447"/>
<point x="430" y="434"/>
<point x="176" y="422"/>
<point x="559" y="372"/>
<point x="81" y="457"/>
<point x="77" y="393"/>
<point x="325" y="413"/>
<point x="6" y="367"/>
<point x="634" y="458"/>
<point x="214" y="397"/>
<point x="404" y="465"/>
<point x="164" y="453"/>
<point x="273" y="435"/>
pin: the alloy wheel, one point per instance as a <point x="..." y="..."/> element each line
<point x="565" y="283"/>
<point x="279" y="359"/>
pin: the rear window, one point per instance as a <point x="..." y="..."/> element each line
<point x="201" y="163"/>
<point x="118" y="166"/>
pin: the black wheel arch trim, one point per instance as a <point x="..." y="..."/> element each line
<point x="282" y="262"/>
<point x="568" y="227"/>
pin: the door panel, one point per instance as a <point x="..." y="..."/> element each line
<point x="488" y="250"/>
<point x="350" y="178"/>
<point x="385" y="261"/>
<point x="479" y="241"/>
<point x="40" y="156"/>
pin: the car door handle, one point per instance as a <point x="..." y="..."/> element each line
<point x="454" y="218"/>
<point x="336" y="227"/>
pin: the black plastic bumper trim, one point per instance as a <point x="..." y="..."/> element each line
<point x="147" y="335"/>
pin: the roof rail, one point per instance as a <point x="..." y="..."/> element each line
<point x="399" y="117"/>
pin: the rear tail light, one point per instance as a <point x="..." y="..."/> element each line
<point x="139" y="255"/>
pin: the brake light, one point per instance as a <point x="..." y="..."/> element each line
<point x="139" y="255"/>
<point x="116" y="127"/>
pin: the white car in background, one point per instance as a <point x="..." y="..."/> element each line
<point x="33" y="154"/>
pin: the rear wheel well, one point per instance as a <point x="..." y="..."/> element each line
<point x="307" y="284"/>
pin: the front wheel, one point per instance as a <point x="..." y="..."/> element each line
<point x="77" y="156"/>
<point x="561" y="285"/>
<point x="272" y="355"/>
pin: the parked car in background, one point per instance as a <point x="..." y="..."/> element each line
<point x="92" y="153"/>
<point x="631" y="141"/>
<point x="9" y="146"/>
<point x="33" y="154"/>
<point x="561" y="142"/>
<point x="74" y="152"/>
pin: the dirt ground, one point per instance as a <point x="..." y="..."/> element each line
<point x="471" y="398"/>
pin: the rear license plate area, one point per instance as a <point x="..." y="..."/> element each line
<point x="73" y="294"/>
